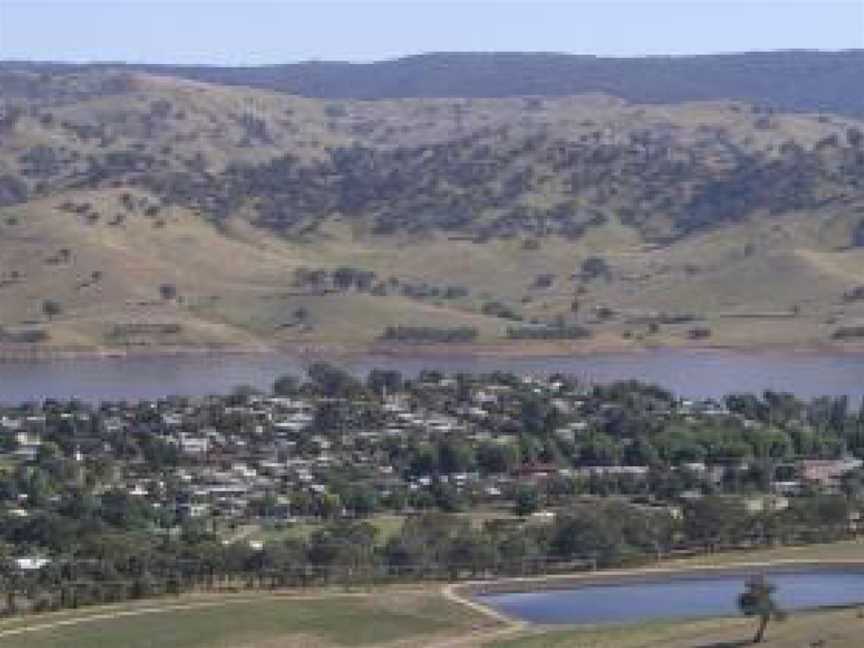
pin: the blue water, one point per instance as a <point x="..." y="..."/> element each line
<point x="674" y="598"/>
<point x="688" y="373"/>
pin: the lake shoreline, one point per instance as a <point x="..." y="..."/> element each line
<point x="485" y="596"/>
<point x="693" y="372"/>
<point x="14" y="353"/>
<point x="555" y="582"/>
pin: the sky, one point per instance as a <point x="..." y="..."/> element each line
<point x="283" y="31"/>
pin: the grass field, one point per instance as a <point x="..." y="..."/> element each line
<point x="831" y="629"/>
<point x="261" y="622"/>
<point x="410" y="617"/>
<point x="387" y="525"/>
<point x="838" y="551"/>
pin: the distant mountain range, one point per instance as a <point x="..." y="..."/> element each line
<point x="795" y="80"/>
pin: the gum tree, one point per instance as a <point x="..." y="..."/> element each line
<point x="757" y="600"/>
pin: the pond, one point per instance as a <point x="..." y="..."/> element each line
<point x="677" y="597"/>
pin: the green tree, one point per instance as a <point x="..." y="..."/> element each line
<point x="425" y="460"/>
<point x="330" y="506"/>
<point x="51" y="308"/>
<point x="448" y="498"/>
<point x="585" y="531"/>
<point x="333" y="381"/>
<point x="714" y="520"/>
<point x="285" y="385"/>
<point x="381" y="379"/>
<point x="526" y="501"/>
<point x="168" y="291"/>
<point x="455" y="456"/>
<point x="594" y="267"/>
<point x="497" y="458"/>
<point x="362" y="500"/>
<point x="757" y="600"/>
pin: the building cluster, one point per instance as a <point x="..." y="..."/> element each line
<point x="417" y="446"/>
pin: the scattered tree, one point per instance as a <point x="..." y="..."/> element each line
<point x="51" y="308"/>
<point x="168" y="291"/>
<point x="757" y="600"/>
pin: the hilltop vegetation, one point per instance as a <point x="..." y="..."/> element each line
<point x="579" y="221"/>
<point x="787" y="80"/>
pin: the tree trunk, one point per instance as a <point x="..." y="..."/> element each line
<point x="760" y="633"/>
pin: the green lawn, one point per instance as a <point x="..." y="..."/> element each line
<point x="336" y="621"/>
<point x="387" y="525"/>
<point x="851" y="550"/>
<point x="621" y="636"/>
<point x="834" y="629"/>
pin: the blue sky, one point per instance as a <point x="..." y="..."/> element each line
<point x="256" y="32"/>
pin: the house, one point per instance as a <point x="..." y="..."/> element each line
<point x="637" y="472"/>
<point x="10" y="424"/>
<point x="536" y="470"/>
<point x="827" y="472"/>
<point x="194" y="445"/>
<point x="28" y="438"/>
<point x="31" y="563"/>
<point x="789" y="487"/>
<point x="192" y="510"/>
<point x="765" y="503"/>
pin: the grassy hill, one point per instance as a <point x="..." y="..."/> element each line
<point x="142" y="211"/>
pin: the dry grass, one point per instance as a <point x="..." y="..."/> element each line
<point x="831" y="629"/>
<point x="233" y="281"/>
<point x="236" y="288"/>
<point x="384" y="619"/>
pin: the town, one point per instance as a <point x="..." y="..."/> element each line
<point x="491" y="458"/>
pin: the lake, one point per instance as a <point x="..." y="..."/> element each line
<point x="679" y="597"/>
<point x="687" y="372"/>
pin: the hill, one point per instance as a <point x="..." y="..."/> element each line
<point x="786" y="80"/>
<point x="146" y="211"/>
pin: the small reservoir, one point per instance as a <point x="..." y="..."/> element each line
<point x="675" y="597"/>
